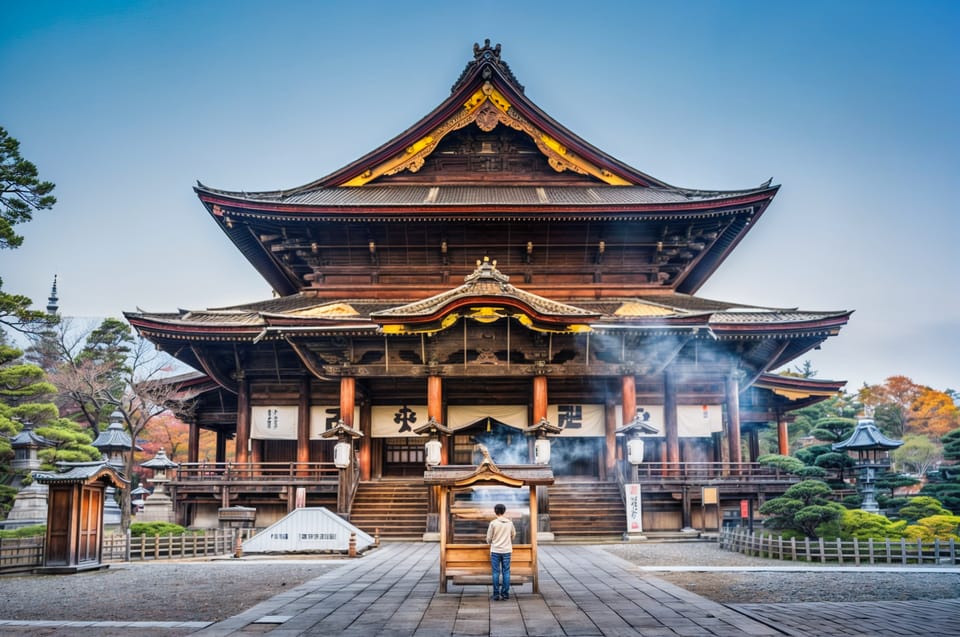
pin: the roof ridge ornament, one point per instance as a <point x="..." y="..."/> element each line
<point x="487" y="56"/>
<point x="487" y="269"/>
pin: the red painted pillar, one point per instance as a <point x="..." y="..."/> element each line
<point x="435" y="411"/>
<point x="783" y="435"/>
<point x="348" y="393"/>
<point x="303" y="422"/>
<point x="539" y="398"/>
<point x="629" y="391"/>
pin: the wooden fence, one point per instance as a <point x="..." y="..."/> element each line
<point x="24" y="554"/>
<point x="837" y="551"/>
<point x="20" y="553"/>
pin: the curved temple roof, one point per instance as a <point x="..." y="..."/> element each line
<point x="486" y="154"/>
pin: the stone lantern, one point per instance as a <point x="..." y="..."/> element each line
<point x="873" y="450"/>
<point x="343" y="450"/>
<point x="158" y="506"/>
<point x="343" y="459"/>
<point x="433" y="448"/>
<point x="633" y="501"/>
<point x="541" y="443"/>
<point x="30" y="504"/>
<point x="633" y="432"/>
<point x="114" y="443"/>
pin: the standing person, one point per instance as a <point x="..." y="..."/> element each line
<point x="500" y="534"/>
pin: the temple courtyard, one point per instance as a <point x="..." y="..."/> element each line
<point x="584" y="590"/>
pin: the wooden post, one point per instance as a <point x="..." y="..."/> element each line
<point x="193" y="443"/>
<point x="610" y="438"/>
<point x="628" y="390"/>
<point x="670" y="425"/>
<point x="365" y="453"/>
<point x="435" y="410"/>
<point x="733" y="419"/>
<point x="348" y="393"/>
<point x="243" y="420"/>
<point x="533" y="537"/>
<point x="443" y="539"/>
<point x="783" y="435"/>
<point x="303" y="425"/>
<point x="539" y="398"/>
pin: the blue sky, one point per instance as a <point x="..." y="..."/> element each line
<point x="851" y="106"/>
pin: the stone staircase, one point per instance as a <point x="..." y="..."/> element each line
<point x="397" y="509"/>
<point x="587" y="511"/>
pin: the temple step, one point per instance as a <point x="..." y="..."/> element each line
<point x="397" y="509"/>
<point x="587" y="510"/>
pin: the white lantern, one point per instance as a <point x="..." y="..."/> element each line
<point x="541" y="451"/>
<point x="433" y="448"/>
<point x="341" y="454"/>
<point x="635" y="450"/>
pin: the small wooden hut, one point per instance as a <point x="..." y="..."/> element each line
<point x="470" y="562"/>
<point x="74" y="539"/>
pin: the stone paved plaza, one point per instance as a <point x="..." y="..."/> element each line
<point x="584" y="591"/>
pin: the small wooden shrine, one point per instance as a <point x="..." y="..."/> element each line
<point x="470" y="562"/>
<point x="74" y="540"/>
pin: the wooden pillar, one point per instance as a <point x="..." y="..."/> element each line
<point x="242" y="454"/>
<point x="256" y="453"/>
<point x="753" y="442"/>
<point x="366" y="443"/>
<point x="629" y="392"/>
<point x="783" y="435"/>
<point x="539" y="398"/>
<point x="348" y="393"/>
<point x="733" y="419"/>
<point x="534" y="529"/>
<point x="303" y="425"/>
<point x="610" y="438"/>
<point x="193" y="443"/>
<point x="435" y="411"/>
<point x="221" y="447"/>
<point x="670" y="425"/>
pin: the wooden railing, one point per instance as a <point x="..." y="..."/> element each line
<point x="287" y="472"/>
<point x="739" y="471"/>
<point x="20" y="553"/>
<point x="119" y="547"/>
<point x="24" y="554"/>
<point x="837" y="551"/>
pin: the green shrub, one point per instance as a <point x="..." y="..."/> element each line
<point x="864" y="525"/>
<point x="935" y="527"/>
<point x="784" y="463"/>
<point x="812" y="473"/>
<point x="921" y="506"/>
<point x="156" y="528"/>
<point x="25" y="531"/>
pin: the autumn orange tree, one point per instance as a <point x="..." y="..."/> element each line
<point x="901" y="407"/>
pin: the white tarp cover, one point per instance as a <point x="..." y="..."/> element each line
<point x="693" y="421"/>
<point x="323" y="418"/>
<point x="577" y="420"/>
<point x="273" y="423"/>
<point x="307" y="530"/>
<point x="461" y="416"/>
<point x="279" y="422"/>
<point x="397" y="421"/>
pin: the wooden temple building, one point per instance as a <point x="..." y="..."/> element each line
<point x="486" y="271"/>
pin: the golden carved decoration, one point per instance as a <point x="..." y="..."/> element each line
<point x="487" y="107"/>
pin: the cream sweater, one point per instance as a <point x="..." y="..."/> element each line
<point x="500" y="535"/>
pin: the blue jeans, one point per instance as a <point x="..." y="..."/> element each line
<point x="500" y="565"/>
